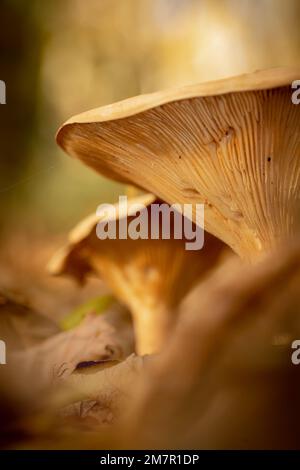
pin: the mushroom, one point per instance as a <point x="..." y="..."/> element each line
<point x="150" y="276"/>
<point x="231" y="144"/>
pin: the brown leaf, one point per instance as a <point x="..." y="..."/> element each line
<point x="98" y="338"/>
<point x="100" y="395"/>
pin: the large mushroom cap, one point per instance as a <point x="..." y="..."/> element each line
<point x="231" y="144"/>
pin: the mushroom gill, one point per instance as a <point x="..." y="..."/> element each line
<point x="232" y="144"/>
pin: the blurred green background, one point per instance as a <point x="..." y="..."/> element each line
<point x="59" y="58"/>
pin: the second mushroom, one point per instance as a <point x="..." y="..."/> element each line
<point x="150" y="276"/>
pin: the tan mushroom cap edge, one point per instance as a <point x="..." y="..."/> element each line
<point x="85" y="227"/>
<point x="260" y="80"/>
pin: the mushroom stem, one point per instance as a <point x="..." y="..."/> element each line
<point x="152" y="325"/>
<point x="150" y="310"/>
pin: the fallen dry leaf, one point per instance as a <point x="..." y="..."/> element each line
<point x="98" y="338"/>
<point x="100" y="394"/>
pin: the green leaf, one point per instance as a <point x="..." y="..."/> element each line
<point x="98" y="306"/>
